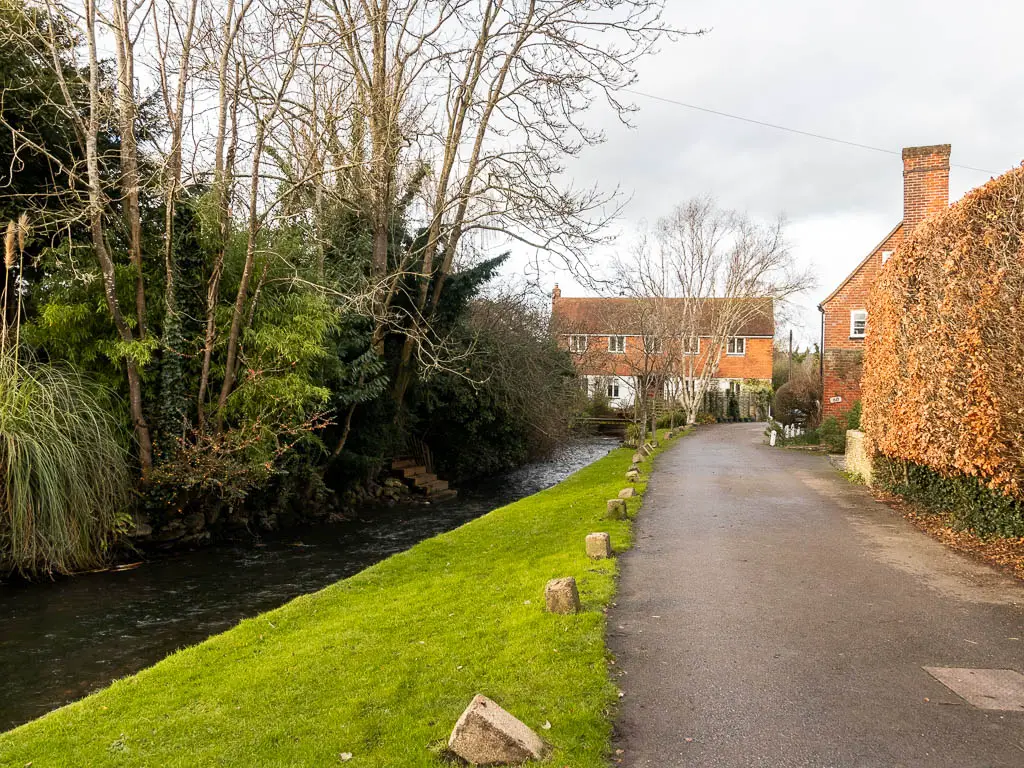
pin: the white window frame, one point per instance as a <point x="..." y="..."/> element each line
<point x="621" y="345"/>
<point x="734" y="343"/>
<point x="886" y="255"/>
<point x="611" y="389"/>
<point x="683" y="341"/>
<point x="858" y="315"/>
<point x="575" y="345"/>
<point x="656" y="343"/>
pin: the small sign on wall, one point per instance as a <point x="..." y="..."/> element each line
<point x="836" y="399"/>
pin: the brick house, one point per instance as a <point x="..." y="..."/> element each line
<point x="613" y="348"/>
<point x="844" y="316"/>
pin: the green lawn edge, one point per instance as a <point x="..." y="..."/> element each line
<point x="380" y="665"/>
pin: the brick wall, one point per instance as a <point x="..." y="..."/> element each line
<point x="755" y="363"/>
<point x="925" y="191"/>
<point x="925" y="182"/>
<point x="843" y="354"/>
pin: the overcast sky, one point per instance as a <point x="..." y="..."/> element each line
<point x="888" y="74"/>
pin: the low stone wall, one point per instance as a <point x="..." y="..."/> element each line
<point x="860" y="455"/>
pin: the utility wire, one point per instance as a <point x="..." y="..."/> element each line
<point x="791" y="130"/>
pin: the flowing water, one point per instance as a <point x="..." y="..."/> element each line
<point x="59" y="641"/>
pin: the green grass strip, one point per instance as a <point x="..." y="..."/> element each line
<point x="380" y="665"/>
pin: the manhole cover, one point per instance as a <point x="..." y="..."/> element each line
<point x="984" y="688"/>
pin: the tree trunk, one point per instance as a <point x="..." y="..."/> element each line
<point x="129" y="155"/>
<point x="222" y="167"/>
<point x="234" y="335"/>
<point x="96" y="205"/>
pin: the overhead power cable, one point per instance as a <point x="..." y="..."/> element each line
<point x="797" y="131"/>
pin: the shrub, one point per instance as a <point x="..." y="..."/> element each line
<point x="799" y="394"/>
<point x="967" y="501"/>
<point x="672" y="418"/>
<point x="832" y="435"/>
<point x="64" y="478"/>
<point x="853" y="416"/>
<point x="944" y="366"/>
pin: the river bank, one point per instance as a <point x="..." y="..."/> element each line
<point x="62" y="640"/>
<point x="380" y="665"/>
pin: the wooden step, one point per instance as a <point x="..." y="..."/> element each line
<point x="424" y="479"/>
<point x="403" y="463"/>
<point x="451" y="493"/>
<point x="413" y="471"/>
<point x="435" y="486"/>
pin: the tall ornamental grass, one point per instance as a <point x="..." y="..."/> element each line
<point x="64" y="477"/>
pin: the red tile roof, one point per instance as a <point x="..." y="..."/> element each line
<point x="626" y="316"/>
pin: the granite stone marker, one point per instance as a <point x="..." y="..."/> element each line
<point x="616" y="509"/>
<point x="561" y="595"/>
<point x="599" y="546"/>
<point x="486" y="734"/>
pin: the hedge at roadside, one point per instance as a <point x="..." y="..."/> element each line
<point x="943" y="385"/>
<point x="968" y="503"/>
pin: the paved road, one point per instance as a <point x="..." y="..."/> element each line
<point x="772" y="614"/>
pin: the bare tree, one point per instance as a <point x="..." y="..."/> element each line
<point x="86" y="107"/>
<point x="490" y="95"/>
<point x="718" y="271"/>
<point x="269" y="70"/>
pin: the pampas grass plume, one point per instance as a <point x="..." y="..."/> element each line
<point x="9" y="252"/>
<point x="23" y="231"/>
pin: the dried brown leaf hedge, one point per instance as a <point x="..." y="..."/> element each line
<point x="944" y="367"/>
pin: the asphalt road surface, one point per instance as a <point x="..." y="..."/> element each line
<point x="774" y="614"/>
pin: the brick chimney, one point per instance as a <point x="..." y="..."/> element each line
<point x="925" y="183"/>
<point x="556" y="293"/>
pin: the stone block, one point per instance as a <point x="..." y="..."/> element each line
<point x="860" y="455"/>
<point x="632" y="476"/>
<point x="486" y="734"/>
<point x="561" y="595"/>
<point x="599" y="546"/>
<point x="638" y="457"/>
<point x="627" y="493"/>
<point x="616" y="509"/>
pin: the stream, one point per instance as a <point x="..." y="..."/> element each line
<point x="61" y="640"/>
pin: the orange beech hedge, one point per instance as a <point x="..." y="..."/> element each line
<point x="943" y="378"/>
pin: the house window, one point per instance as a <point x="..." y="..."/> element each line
<point x="886" y="255"/>
<point x="577" y="343"/>
<point x="734" y="387"/>
<point x="858" y="323"/>
<point x="737" y="346"/>
<point x="652" y="345"/>
<point x="691" y="345"/>
<point x="616" y="343"/>
<point x="612" y="389"/>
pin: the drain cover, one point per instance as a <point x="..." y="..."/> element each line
<point x="984" y="688"/>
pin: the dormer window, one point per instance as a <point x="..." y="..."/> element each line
<point x="858" y="323"/>
<point x="578" y="344"/>
<point x="617" y="344"/>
